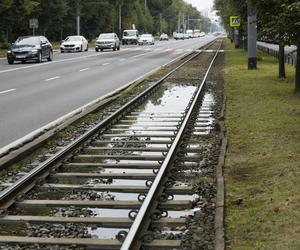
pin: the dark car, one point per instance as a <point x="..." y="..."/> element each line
<point x="28" y="48"/>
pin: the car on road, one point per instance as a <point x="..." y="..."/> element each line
<point x="29" y="48"/>
<point x="178" y="36"/>
<point x="130" y="37"/>
<point x="163" y="37"/>
<point x="107" y="41"/>
<point x="146" y="39"/>
<point x="74" y="44"/>
<point x="186" y="36"/>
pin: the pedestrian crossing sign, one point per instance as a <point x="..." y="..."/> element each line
<point x="235" y="21"/>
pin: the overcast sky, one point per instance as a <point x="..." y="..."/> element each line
<point x="201" y="4"/>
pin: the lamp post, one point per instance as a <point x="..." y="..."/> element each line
<point x="77" y="18"/>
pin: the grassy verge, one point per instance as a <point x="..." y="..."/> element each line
<point x="3" y="52"/>
<point x="263" y="160"/>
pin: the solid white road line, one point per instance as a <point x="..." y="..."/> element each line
<point x="46" y="63"/>
<point x="51" y="79"/>
<point x="7" y="91"/>
<point x="84" y="69"/>
<point x="104" y="64"/>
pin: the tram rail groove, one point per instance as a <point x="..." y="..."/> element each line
<point x="81" y="152"/>
<point x="132" y="240"/>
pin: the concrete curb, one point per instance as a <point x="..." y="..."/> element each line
<point x="220" y="198"/>
<point x="20" y="147"/>
<point x="219" y="216"/>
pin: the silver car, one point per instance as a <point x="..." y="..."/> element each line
<point x="107" y="41"/>
<point x="146" y="39"/>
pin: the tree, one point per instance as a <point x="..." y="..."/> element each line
<point x="276" y="18"/>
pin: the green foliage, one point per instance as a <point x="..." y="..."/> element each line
<point x="57" y="18"/>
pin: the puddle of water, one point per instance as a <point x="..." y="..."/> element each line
<point x="125" y="196"/>
<point x="128" y="182"/>
<point x="103" y="212"/>
<point x="208" y="101"/>
<point x="182" y="213"/>
<point x="137" y="162"/>
<point x="186" y="197"/>
<point x="105" y="233"/>
<point x="127" y="171"/>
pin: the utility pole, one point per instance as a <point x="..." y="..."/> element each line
<point x="252" y="35"/>
<point x="188" y="20"/>
<point x="178" y="27"/>
<point x="160" y="18"/>
<point x="145" y="5"/>
<point x="120" y="20"/>
<point x="78" y="18"/>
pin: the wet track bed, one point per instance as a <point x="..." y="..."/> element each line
<point x="91" y="197"/>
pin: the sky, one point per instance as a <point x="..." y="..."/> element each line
<point x="201" y="4"/>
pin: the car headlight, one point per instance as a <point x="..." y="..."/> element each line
<point x="34" y="51"/>
<point x="9" y="51"/>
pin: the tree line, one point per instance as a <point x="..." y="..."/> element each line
<point x="275" y="18"/>
<point x="57" y="18"/>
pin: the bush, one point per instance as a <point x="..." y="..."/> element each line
<point x="4" y="45"/>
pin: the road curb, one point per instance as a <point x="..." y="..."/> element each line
<point x="17" y="149"/>
<point x="220" y="197"/>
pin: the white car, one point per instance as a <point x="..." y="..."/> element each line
<point x="163" y="37"/>
<point x="146" y="39"/>
<point x="178" y="36"/>
<point x="73" y="44"/>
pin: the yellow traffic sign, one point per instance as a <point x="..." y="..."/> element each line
<point x="235" y="21"/>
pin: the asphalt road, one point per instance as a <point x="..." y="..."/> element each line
<point x="32" y="95"/>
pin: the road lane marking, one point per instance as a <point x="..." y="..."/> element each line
<point x="141" y="55"/>
<point x="46" y="63"/>
<point x="53" y="78"/>
<point x="7" y="91"/>
<point x="122" y="59"/>
<point x="84" y="69"/>
<point x="104" y="64"/>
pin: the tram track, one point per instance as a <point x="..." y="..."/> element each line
<point x="135" y="145"/>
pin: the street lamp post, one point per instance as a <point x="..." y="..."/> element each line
<point x="78" y="18"/>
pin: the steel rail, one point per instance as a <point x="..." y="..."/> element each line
<point x="7" y="196"/>
<point x="132" y="240"/>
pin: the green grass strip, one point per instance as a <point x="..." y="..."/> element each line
<point x="263" y="161"/>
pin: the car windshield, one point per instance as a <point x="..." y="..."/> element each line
<point x="106" y="36"/>
<point x="73" y="38"/>
<point x="28" y="41"/>
<point x="146" y="36"/>
<point x="130" y="33"/>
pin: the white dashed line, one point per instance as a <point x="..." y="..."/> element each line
<point x="53" y="78"/>
<point x="7" y="91"/>
<point x="104" y="64"/>
<point x="140" y="55"/>
<point x="84" y="69"/>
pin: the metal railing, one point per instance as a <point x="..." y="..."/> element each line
<point x="290" y="58"/>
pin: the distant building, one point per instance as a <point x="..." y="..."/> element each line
<point x="205" y="12"/>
